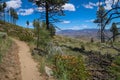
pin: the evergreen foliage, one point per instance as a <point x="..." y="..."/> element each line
<point x="52" y="8"/>
<point x="114" y="31"/>
<point x="101" y="22"/>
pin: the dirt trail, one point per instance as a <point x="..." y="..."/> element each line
<point x="29" y="69"/>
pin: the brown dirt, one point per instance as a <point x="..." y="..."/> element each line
<point x="18" y="64"/>
<point x="29" y="70"/>
<point x="10" y="66"/>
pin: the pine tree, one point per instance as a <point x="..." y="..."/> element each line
<point x="36" y="25"/>
<point x="52" y="8"/>
<point x="101" y="21"/>
<point x="1" y="10"/>
<point x="13" y="15"/>
<point x="114" y="31"/>
<point x="52" y="30"/>
<point x="27" y="22"/>
<point x="4" y="6"/>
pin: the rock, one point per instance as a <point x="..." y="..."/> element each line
<point x="48" y="71"/>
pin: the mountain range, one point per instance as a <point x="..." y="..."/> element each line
<point x="89" y="33"/>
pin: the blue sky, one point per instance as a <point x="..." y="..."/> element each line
<point x="79" y="14"/>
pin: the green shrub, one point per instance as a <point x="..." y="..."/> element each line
<point x="42" y="65"/>
<point x="92" y="40"/>
<point x="25" y="37"/>
<point x="44" y="39"/>
<point x="82" y="47"/>
<point x="114" y="69"/>
<point x="68" y="67"/>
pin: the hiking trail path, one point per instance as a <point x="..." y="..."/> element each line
<point x="29" y="70"/>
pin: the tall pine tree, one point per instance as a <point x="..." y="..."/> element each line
<point x="52" y="8"/>
<point x="114" y="31"/>
<point x="101" y="22"/>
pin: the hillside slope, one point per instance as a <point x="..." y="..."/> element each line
<point x="9" y="65"/>
<point x="24" y="34"/>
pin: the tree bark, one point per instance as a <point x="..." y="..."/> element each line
<point x="38" y="38"/>
<point x="47" y="16"/>
<point x="102" y="32"/>
<point x="113" y="36"/>
<point x="4" y="16"/>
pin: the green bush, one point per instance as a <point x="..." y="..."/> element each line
<point x="82" y="47"/>
<point x="68" y="67"/>
<point x="42" y="65"/>
<point x="92" y="40"/>
<point x="25" y="37"/>
<point x="44" y="38"/>
<point x="114" y="69"/>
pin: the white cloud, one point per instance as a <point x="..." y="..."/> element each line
<point x="108" y="7"/>
<point x="91" y="20"/>
<point x="97" y="4"/>
<point x="66" y="22"/>
<point x="84" y="26"/>
<point x="109" y="3"/>
<point x="40" y="9"/>
<point x="14" y="4"/>
<point x="25" y="12"/>
<point x="69" y="7"/>
<point x="90" y="5"/>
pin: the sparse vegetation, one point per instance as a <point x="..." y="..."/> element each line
<point x="68" y="47"/>
<point x="68" y="67"/>
<point x="59" y="52"/>
<point x="114" y="31"/>
<point x="4" y="45"/>
<point x="114" y="69"/>
<point x="17" y="31"/>
<point x="68" y="58"/>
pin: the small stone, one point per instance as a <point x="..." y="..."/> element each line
<point x="48" y="71"/>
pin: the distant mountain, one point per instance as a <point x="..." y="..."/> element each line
<point x="81" y="33"/>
